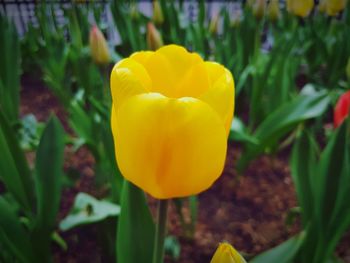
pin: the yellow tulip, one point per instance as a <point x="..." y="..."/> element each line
<point x="322" y="6"/>
<point x="171" y="117"/>
<point x="300" y="8"/>
<point x="333" y="7"/>
<point x="158" y="17"/>
<point x="273" y="10"/>
<point x="154" y="38"/>
<point x="227" y="254"/>
<point x="98" y="46"/>
<point x="214" y="24"/>
<point x="259" y="8"/>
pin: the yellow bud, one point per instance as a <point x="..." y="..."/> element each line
<point x="259" y="8"/>
<point x="158" y="17"/>
<point x="300" y="8"/>
<point x="348" y="69"/>
<point x="154" y="38"/>
<point x="333" y="7"/>
<point x="227" y="254"/>
<point x="214" y="23"/>
<point x="134" y="12"/>
<point x="322" y="6"/>
<point x="98" y="46"/>
<point x="273" y="10"/>
<point x="236" y="19"/>
<point x="250" y="3"/>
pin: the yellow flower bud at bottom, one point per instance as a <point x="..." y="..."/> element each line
<point x="227" y="254"/>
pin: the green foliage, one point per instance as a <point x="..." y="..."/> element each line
<point x="40" y="222"/>
<point x="136" y="228"/>
<point x="9" y="69"/>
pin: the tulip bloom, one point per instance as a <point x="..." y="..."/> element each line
<point x="300" y="8"/>
<point x="171" y="117"/>
<point x="158" y="17"/>
<point x="333" y="7"/>
<point x="273" y="10"/>
<point x="227" y="254"/>
<point x="154" y="38"/>
<point x="259" y="8"/>
<point x="98" y="46"/>
<point x="342" y="109"/>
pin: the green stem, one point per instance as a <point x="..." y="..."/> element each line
<point x="158" y="250"/>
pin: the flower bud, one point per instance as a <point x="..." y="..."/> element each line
<point x="259" y="8"/>
<point x="273" y="10"/>
<point x="236" y="18"/>
<point x="300" y="8"/>
<point x="342" y="109"/>
<point x="226" y="253"/>
<point x="250" y="3"/>
<point x="333" y="7"/>
<point x="214" y="23"/>
<point x="322" y="6"/>
<point x="134" y="12"/>
<point x="98" y="46"/>
<point x="158" y="17"/>
<point x="154" y="38"/>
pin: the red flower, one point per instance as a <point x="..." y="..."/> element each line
<point x="342" y="109"/>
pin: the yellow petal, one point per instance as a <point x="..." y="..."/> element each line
<point x="137" y="70"/>
<point x="181" y="60"/>
<point x="195" y="82"/>
<point x="225" y="253"/>
<point x="221" y="95"/>
<point x="169" y="147"/>
<point x="141" y="56"/>
<point x="123" y="85"/>
<point x="160" y="71"/>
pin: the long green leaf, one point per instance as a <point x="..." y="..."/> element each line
<point x="302" y="165"/>
<point x="135" y="227"/>
<point x="9" y="69"/>
<point x="14" y="170"/>
<point x="283" y="253"/>
<point x="13" y="234"/>
<point x="48" y="167"/>
<point x="48" y="176"/>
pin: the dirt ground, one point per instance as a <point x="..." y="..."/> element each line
<point x="247" y="210"/>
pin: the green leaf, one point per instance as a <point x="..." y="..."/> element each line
<point x="283" y="253"/>
<point x="48" y="179"/>
<point x="48" y="173"/>
<point x="13" y="234"/>
<point x="136" y="228"/>
<point x="14" y="170"/>
<point x="9" y="69"/>
<point x="283" y="120"/>
<point x="302" y="166"/>
<point x="87" y="210"/>
<point x="330" y="169"/>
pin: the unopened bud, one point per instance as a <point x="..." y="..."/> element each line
<point x="226" y="253"/>
<point x="158" y="17"/>
<point x="273" y="10"/>
<point x="214" y="23"/>
<point x="259" y="8"/>
<point x="98" y="46"/>
<point x="154" y="38"/>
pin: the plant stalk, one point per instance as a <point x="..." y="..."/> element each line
<point x="158" y="249"/>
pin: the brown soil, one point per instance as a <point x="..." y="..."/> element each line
<point x="247" y="210"/>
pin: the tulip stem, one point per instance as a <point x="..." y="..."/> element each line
<point x="158" y="249"/>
